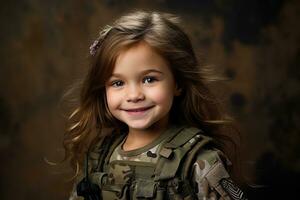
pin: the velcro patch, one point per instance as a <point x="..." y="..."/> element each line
<point x="233" y="190"/>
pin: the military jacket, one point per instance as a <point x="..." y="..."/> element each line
<point x="150" y="173"/>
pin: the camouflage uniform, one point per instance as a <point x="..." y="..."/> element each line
<point x="209" y="178"/>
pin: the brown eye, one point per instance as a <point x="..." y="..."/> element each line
<point x="149" y="79"/>
<point x="117" y="83"/>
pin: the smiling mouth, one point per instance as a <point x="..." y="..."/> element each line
<point x="137" y="110"/>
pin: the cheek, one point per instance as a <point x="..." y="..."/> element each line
<point x="111" y="98"/>
<point x="163" y="97"/>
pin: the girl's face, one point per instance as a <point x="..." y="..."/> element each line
<point x="141" y="88"/>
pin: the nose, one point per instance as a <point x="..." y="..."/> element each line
<point x="135" y="93"/>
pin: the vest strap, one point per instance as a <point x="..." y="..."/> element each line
<point x="192" y="155"/>
<point x="181" y="138"/>
<point x="111" y="146"/>
<point x="183" y="142"/>
<point x="98" y="178"/>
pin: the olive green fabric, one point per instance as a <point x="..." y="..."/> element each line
<point x="177" y="165"/>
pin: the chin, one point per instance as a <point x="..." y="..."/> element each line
<point x="139" y="126"/>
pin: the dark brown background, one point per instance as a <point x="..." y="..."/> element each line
<point x="44" y="45"/>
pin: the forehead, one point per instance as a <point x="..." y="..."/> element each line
<point x="139" y="56"/>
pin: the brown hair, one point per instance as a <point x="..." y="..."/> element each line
<point x="196" y="106"/>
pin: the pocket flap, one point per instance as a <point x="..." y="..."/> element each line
<point x="145" y="189"/>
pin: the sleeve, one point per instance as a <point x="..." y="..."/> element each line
<point x="211" y="179"/>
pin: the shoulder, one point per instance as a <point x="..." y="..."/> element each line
<point x="211" y="177"/>
<point x="211" y="163"/>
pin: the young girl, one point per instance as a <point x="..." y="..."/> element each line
<point x="147" y="124"/>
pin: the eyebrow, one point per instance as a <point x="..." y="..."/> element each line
<point x="151" y="70"/>
<point x="142" y="72"/>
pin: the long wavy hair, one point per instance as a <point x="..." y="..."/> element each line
<point x="196" y="106"/>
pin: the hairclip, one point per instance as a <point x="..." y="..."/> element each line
<point x="94" y="47"/>
<point x="97" y="43"/>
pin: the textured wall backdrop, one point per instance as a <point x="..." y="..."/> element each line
<point x="44" y="45"/>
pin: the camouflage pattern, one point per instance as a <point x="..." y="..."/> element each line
<point x="149" y="154"/>
<point x="210" y="179"/>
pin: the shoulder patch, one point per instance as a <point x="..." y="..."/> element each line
<point x="232" y="190"/>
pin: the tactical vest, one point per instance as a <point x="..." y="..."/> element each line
<point x="169" y="178"/>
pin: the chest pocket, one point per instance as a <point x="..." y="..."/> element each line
<point x="108" y="189"/>
<point x="144" y="185"/>
<point x="128" y="180"/>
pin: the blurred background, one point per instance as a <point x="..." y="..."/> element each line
<point x="44" y="46"/>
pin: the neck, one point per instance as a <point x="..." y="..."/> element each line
<point x="138" y="138"/>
